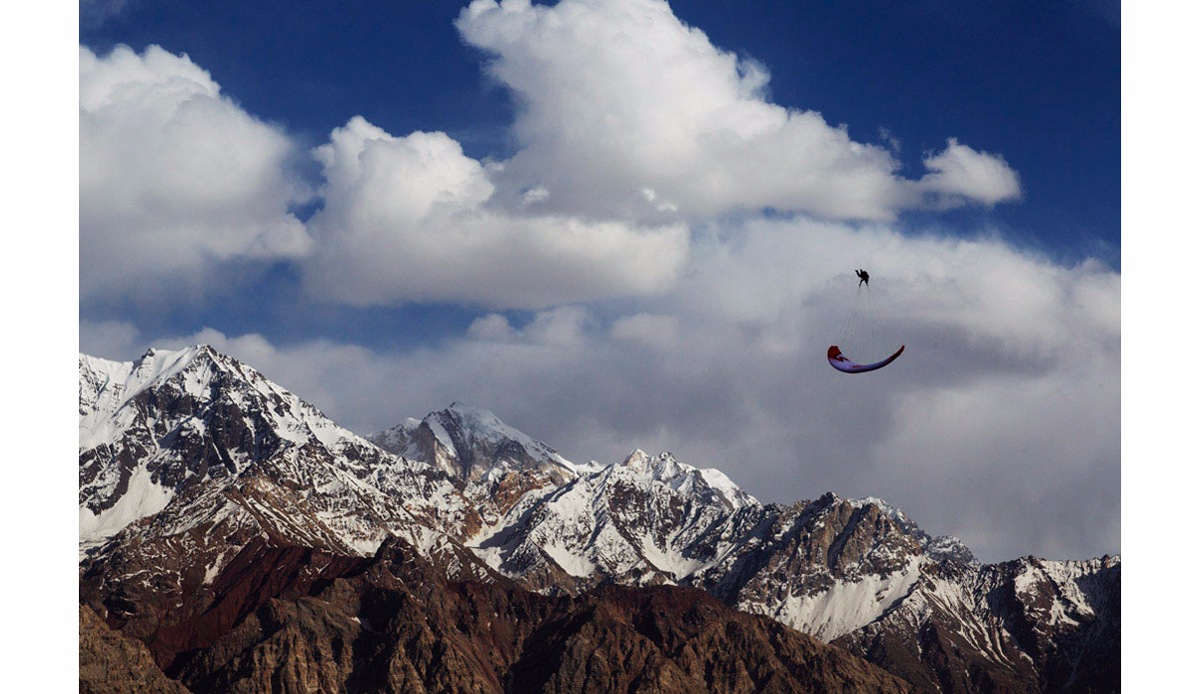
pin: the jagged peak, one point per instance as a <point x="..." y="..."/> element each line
<point x="940" y="548"/>
<point x="183" y="354"/>
<point x="831" y="498"/>
<point x="665" y="469"/>
<point x="888" y="509"/>
<point x="155" y="367"/>
<point x="478" y="421"/>
<point x="472" y="443"/>
<point x="662" y="467"/>
<point x="640" y="457"/>
<point x="950" y="548"/>
<point x="200" y="371"/>
<point x="636" y="458"/>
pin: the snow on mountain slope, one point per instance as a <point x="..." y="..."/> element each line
<point x="493" y="463"/>
<point x="180" y="428"/>
<point x="846" y="605"/>
<point x="1028" y="624"/>
<point x="826" y="567"/>
<point x="644" y="521"/>
<point x="396" y="439"/>
<point x="471" y="443"/>
<point x="630" y="522"/>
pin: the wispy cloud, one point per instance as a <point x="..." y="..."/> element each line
<point x="406" y="219"/>
<point x="94" y="13"/>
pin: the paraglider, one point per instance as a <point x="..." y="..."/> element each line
<point x="838" y="361"/>
<point x="862" y="334"/>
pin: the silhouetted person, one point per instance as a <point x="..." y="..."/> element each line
<point x="863" y="278"/>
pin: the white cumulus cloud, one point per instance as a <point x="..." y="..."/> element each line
<point x="405" y="220"/>
<point x="959" y="174"/>
<point x="619" y="96"/>
<point x="174" y="178"/>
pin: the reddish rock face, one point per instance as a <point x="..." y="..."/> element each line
<point x="257" y="574"/>
<point x="112" y="663"/>
<point x="293" y="619"/>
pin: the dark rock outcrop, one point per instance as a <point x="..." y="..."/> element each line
<point x="113" y="663"/>
<point x="294" y="620"/>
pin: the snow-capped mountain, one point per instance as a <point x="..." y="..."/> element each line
<point x="1023" y="625"/>
<point x="643" y="521"/>
<point x="826" y="567"/>
<point x="472" y="444"/>
<point x="190" y="459"/>
<point x="856" y="572"/>
<point x="493" y="463"/>
<point x="188" y="455"/>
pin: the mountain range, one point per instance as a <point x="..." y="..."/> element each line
<point x="234" y="538"/>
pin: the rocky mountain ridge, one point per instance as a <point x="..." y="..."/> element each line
<point x="189" y="458"/>
<point x="291" y="619"/>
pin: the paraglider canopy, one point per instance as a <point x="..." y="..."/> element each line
<point x="839" y="361"/>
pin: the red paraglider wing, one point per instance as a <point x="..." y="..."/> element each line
<point x="839" y="361"/>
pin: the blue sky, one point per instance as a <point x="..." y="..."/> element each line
<point x="1038" y="83"/>
<point x="622" y="223"/>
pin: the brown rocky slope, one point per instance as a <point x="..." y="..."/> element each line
<point x="113" y="663"/>
<point x="287" y="619"/>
